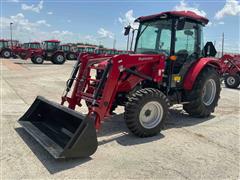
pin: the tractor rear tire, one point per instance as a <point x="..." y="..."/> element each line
<point x="204" y="96"/>
<point x="58" y="59"/>
<point x="146" y="111"/>
<point x="232" y="81"/>
<point x="6" y="53"/>
<point x="37" y="60"/>
<point x="71" y="56"/>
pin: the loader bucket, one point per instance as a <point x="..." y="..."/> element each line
<point x="63" y="132"/>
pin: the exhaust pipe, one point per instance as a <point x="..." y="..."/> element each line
<point x="63" y="132"/>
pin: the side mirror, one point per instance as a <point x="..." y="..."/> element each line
<point x="209" y="50"/>
<point x="127" y="30"/>
<point x="181" y="24"/>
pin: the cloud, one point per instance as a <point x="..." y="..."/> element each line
<point x="209" y="24"/>
<point x="128" y="19"/>
<point x="103" y="33"/>
<point x="22" y="27"/>
<point x="35" y="8"/>
<point x="90" y="39"/>
<point x="69" y="21"/>
<point x="50" y="13"/>
<point x="231" y="8"/>
<point x="221" y="23"/>
<point x="183" y="6"/>
<point x="43" y="22"/>
<point x="16" y="1"/>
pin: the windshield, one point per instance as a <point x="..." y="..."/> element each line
<point x="90" y="50"/>
<point x="65" y="48"/>
<point x="51" y="45"/>
<point x="3" y="44"/>
<point x="26" y="45"/>
<point x="81" y="49"/>
<point x="154" y="37"/>
<point x="34" y="45"/>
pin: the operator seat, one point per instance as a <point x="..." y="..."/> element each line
<point x="181" y="59"/>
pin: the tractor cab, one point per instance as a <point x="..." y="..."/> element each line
<point x="81" y="49"/>
<point x="90" y="49"/>
<point x="32" y="45"/>
<point x="51" y="45"/>
<point x="176" y="34"/>
<point x="65" y="47"/>
<point x="3" y="43"/>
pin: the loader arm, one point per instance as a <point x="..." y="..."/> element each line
<point x="120" y="74"/>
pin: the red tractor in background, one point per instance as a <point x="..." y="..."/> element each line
<point x="85" y="49"/>
<point x="169" y="66"/>
<point x="230" y="65"/>
<point x="28" y="49"/>
<point x="69" y="54"/>
<point x="5" y="50"/>
<point x="49" y="52"/>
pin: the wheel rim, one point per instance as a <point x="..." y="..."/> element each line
<point x="71" y="56"/>
<point x="231" y="80"/>
<point x="60" y="58"/>
<point x="6" y="54"/>
<point x="39" y="59"/>
<point x="209" y="92"/>
<point x="151" y="114"/>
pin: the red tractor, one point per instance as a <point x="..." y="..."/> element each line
<point x="5" y="50"/>
<point x="169" y="66"/>
<point x="27" y="49"/>
<point x="49" y="52"/>
<point x="230" y="65"/>
<point x="69" y="54"/>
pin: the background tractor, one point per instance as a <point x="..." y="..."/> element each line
<point x="50" y="52"/>
<point x="230" y="65"/>
<point x="5" y="50"/>
<point x="69" y="54"/>
<point x="27" y="49"/>
<point x="169" y="66"/>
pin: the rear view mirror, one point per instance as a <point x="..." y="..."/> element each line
<point x="209" y="50"/>
<point x="188" y="32"/>
<point x="127" y="30"/>
<point x="181" y="24"/>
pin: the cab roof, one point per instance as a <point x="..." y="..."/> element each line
<point x="187" y="14"/>
<point x="34" y="42"/>
<point x="3" y="40"/>
<point x="52" y="40"/>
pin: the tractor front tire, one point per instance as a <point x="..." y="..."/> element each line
<point x="146" y="111"/>
<point x="37" y="60"/>
<point x="6" y="53"/>
<point x="204" y="96"/>
<point x="232" y="81"/>
<point x="58" y="59"/>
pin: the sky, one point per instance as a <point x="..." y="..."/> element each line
<point x="103" y="21"/>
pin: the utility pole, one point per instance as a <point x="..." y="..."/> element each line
<point x="127" y="42"/>
<point x="114" y="43"/>
<point x="11" y="34"/>
<point x="222" y="43"/>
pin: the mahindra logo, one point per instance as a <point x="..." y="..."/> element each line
<point x="145" y="58"/>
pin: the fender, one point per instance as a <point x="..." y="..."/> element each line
<point x="196" y="68"/>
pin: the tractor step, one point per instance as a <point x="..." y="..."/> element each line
<point x="64" y="133"/>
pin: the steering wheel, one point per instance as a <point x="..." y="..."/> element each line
<point x="165" y="52"/>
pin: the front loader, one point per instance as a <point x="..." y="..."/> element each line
<point x="169" y="66"/>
